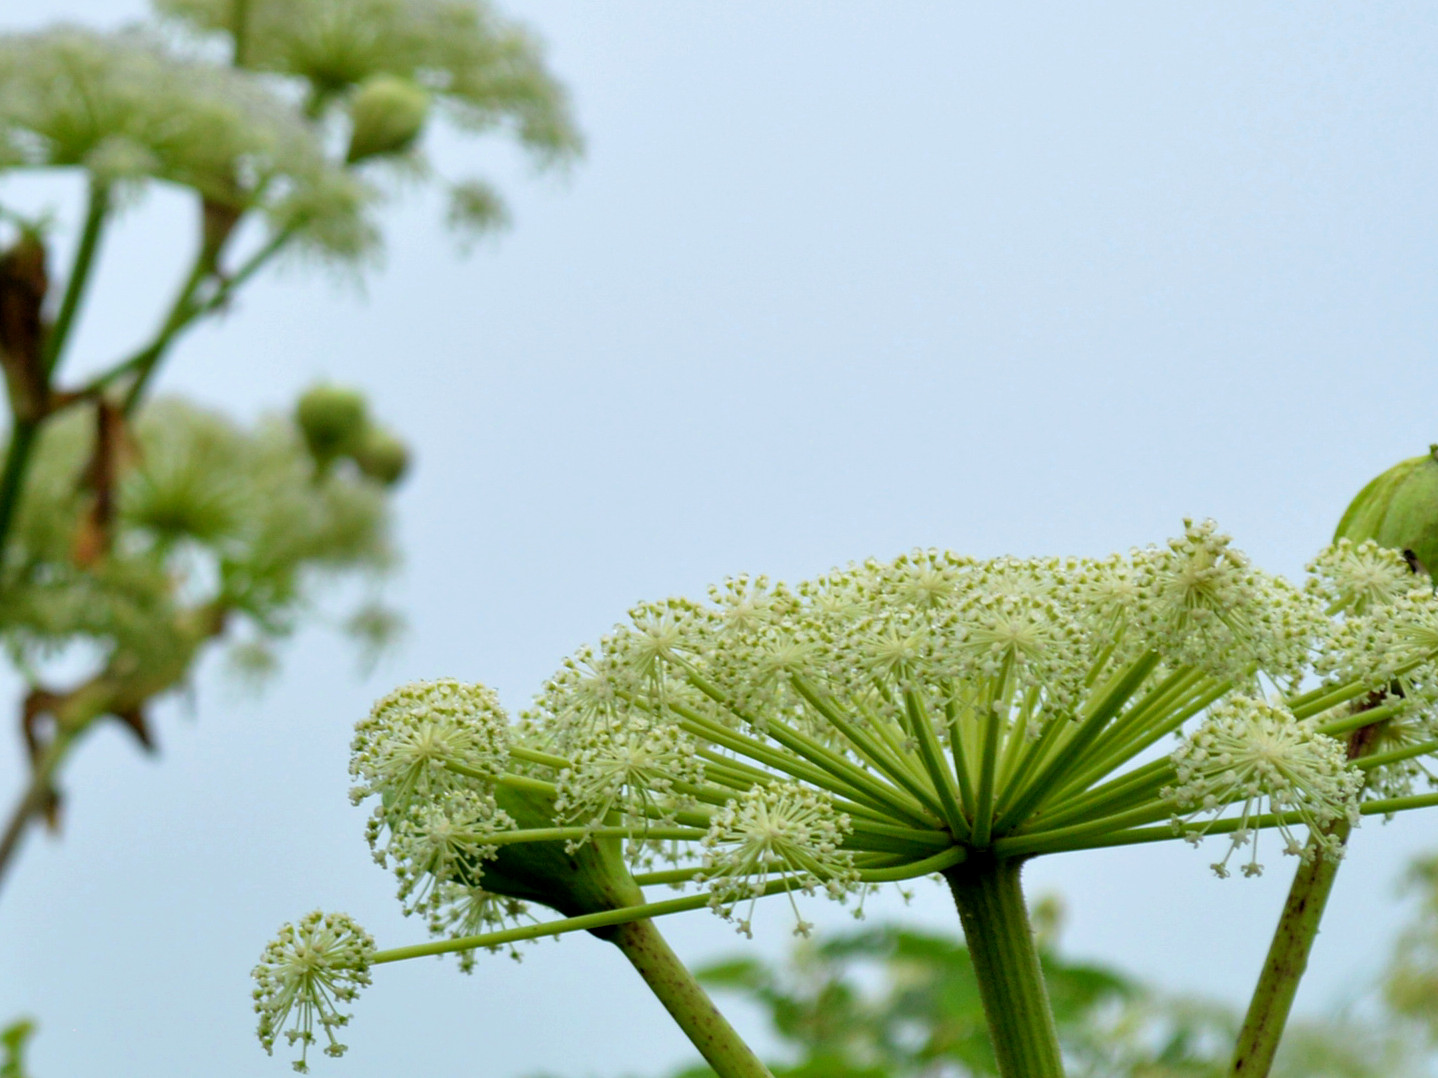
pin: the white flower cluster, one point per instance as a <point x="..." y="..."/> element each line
<point x="1258" y="756"/>
<point x="307" y="972"/>
<point x="888" y="719"/>
<point x="784" y="828"/>
<point x="127" y="109"/>
<point x="634" y="772"/>
<point x="431" y="752"/>
<point x="1355" y="578"/>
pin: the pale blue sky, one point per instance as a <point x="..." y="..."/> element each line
<point x="835" y="280"/>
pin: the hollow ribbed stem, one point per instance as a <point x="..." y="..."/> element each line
<point x="1006" y="964"/>
<point x="686" y="1001"/>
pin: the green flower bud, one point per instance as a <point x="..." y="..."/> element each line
<point x="382" y="456"/>
<point x="388" y="114"/>
<point x="333" y="421"/>
<point x="1399" y="509"/>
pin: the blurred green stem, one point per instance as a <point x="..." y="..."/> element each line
<point x="240" y="31"/>
<point x="991" y="906"/>
<point x="184" y="311"/>
<point x="25" y="428"/>
<point x="12" y="477"/>
<point x="96" y="211"/>
<point x="686" y="1001"/>
<point x="1293" y="938"/>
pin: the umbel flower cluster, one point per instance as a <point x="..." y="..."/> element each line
<point x="314" y="90"/>
<point x="211" y="530"/>
<point x="894" y="719"/>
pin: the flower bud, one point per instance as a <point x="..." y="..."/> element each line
<point x="382" y="456"/>
<point x="388" y="113"/>
<point x="1399" y="509"/>
<point x="333" y="421"/>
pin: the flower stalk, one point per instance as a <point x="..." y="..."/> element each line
<point x="1286" y="961"/>
<point x="1293" y="939"/>
<point x="97" y="209"/>
<point x="1000" y="939"/>
<point x="686" y="1001"/>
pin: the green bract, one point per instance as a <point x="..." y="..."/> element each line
<point x="1399" y="509"/>
<point x="386" y="116"/>
<point x="333" y="419"/>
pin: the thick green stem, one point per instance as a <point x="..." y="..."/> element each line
<point x="687" y="1002"/>
<point x="1292" y="942"/>
<point x="1006" y="963"/>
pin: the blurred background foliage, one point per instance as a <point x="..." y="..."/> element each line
<point x="882" y="1001"/>
<point x="133" y="532"/>
<point x="136" y="532"/>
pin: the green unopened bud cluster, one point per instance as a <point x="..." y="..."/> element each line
<point x="386" y="116"/>
<point x="892" y="719"/>
<point x="336" y="425"/>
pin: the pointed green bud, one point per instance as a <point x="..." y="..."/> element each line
<point x="382" y="456"/>
<point x="333" y="420"/>
<point x="387" y="114"/>
<point x="1399" y="509"/>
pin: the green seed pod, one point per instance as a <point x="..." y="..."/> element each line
<point x="382" y="456"/>
<point x="333" y="420"/>
<point x="387" y="114"/>
<point x="1399" y="509"/>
